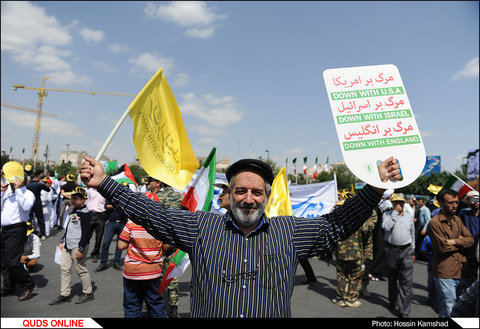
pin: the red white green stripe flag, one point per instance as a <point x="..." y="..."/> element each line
<point x="176" y="268"/>
<point x="198" y="197"/>
<point x="457" y="185"/>
<point x="200" y="194"/>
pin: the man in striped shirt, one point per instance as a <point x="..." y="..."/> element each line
<point x="243" y="262"/>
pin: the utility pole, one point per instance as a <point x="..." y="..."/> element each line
<point x="45" y="168"/>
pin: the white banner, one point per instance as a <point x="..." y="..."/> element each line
<point x="313" y="200"/>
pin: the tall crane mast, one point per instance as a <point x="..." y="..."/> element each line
<point x="41" y="96"/>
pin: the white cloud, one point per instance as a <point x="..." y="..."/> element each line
<point x="218" y="112"/>
<point x="118" y="48"/>
<point x="92" y="37"/>
<point x="197" y="19"/>
<point x="181" y="80"/>
<point x="103" y="66"/>
<point x="68" y="77"/>
<point x="470" y="70"/>
<point x="200" y="33"/>
<point x="149" y="63"/>
<point x="37" y="40"/>
<point x="52" y="125"/>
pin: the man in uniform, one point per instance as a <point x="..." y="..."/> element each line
<point x="349" y="255"/>
<point x="170" y="198"/>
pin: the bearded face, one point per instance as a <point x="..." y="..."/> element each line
<point x="248" y="198"/>
<point x="247" y="214"/>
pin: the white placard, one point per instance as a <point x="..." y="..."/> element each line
<point x="374" y="120"/>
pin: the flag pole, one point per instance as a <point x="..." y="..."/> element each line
<point x="462" y="181"/>
<point x="112" y="134"/>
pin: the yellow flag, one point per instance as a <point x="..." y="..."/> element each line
<point x="159" y="136"/>
<point x="279" y="203"/>
<point x="434" y="188"/>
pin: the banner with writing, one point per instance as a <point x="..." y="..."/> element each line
<point x="374" y="120"/>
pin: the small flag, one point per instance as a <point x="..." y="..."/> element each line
<point x="200" y="194"/>
<point x="159" y="135"/>
<point x="457" y="185"/>
<point x="326" y="167"/>
<point x="109" y="166"/>
<point x="315" y="169"/>
<point x="175" y="269"/>
<point x="279" y="203"/>
<point x="124" y="175"/>
<point x="434" y="188"/>
<point x="305" y="165"/>
<point x="294" y="165"/>
<point x="23" y="156"/>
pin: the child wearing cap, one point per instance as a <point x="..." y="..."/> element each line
<point x="74" y="246"/>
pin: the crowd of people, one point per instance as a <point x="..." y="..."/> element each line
<point x="36" y="203"/>
<point x="444" y="232"/>
<point x="374" y="235"/>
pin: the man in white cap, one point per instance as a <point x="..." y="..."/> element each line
<point x="399" y="254"/>
<point x="243" y="263"/>
<point x="17" y="202"/>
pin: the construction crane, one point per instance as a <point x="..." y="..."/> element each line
<point x="21" y="108"/>
<point x="41" y="95"/>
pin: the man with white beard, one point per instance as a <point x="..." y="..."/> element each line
<point x="243" y="262"/>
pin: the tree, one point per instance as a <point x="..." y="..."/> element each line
<point x="138" y="172"/>
<point x="66" y="168"/>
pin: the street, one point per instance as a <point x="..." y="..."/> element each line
<point x="308" y="301"/>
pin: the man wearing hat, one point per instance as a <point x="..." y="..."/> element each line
<point x="399" y="254"/>
<point x="243" y="262"/>
<point x="16" y="204"/>
<point x="74" y="247"/>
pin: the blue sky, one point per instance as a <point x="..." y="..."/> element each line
<point x="247" y="75"/>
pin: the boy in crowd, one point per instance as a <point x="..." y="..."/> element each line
<point x="74" y="246"/>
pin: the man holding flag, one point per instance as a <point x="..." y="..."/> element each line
<point x="243" y="262"/>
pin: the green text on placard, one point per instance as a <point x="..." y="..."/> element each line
<point x="387" y="115"/>
<point x="367" y="93"/>
<point x="381" y="142"/>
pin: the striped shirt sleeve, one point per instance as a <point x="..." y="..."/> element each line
<point x="169" y="225"/>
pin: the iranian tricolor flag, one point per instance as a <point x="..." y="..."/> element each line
<point x="305" y="165"/>
<point x="326" y="167"/>
<point x="294" y="166"/>
<point x="200" y="194"/>
<point x="175" y="269"/>
<point x="124" y="175"/>
<point x="198" y="197"/>
<point x="457" y="185"/>
<point x="315" y="169"/>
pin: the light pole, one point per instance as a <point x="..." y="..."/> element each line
<point x="268" y="155"/>
<point x="68" y="147"/>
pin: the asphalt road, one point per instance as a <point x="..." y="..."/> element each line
<point x="308" y="301"/>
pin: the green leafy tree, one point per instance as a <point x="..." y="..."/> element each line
<point x="138" y="172"/>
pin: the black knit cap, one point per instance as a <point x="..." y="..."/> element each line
<point x="254" y="165"/>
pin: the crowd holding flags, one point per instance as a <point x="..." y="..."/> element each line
<point x="165" y="153"/>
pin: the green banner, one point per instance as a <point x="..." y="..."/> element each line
<point x="366" y="93"/>
<point x="381" y="142"/>
<point x="387" y="115"/>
